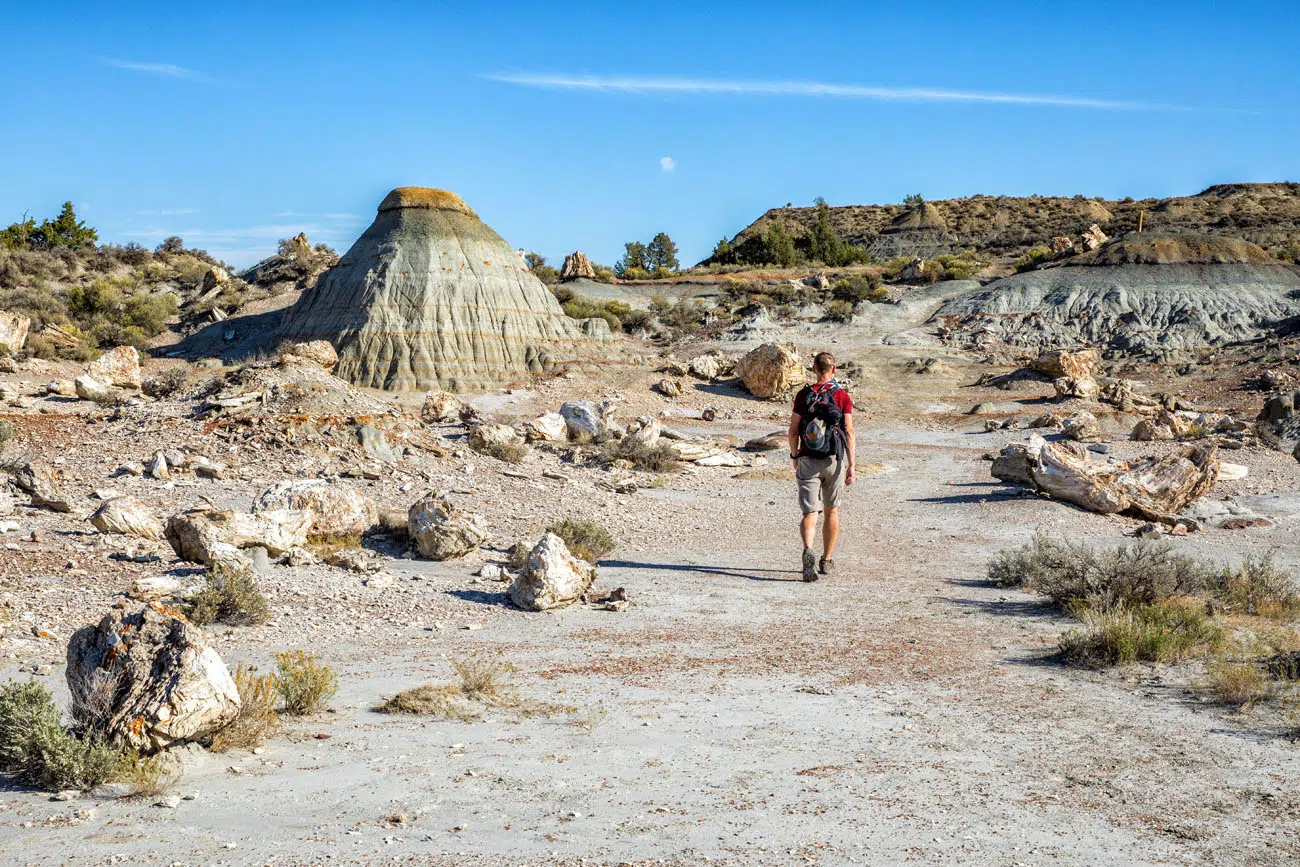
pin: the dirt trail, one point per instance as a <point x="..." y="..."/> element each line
<point x="900" y="711"/>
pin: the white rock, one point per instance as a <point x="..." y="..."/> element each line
<point x="1232" y="472"/>
<point x="120" y="366"/>
<point x="441" y="531"/>
<point x="128" y="516"/>
<point x="338" y="509"/>
<point x="585" y="420"/>
<point x="88" y="387"/>
<point x="553" y="578"/>
<point x="549" y="427"/>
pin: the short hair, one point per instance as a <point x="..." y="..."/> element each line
<point x="823" y="362"/>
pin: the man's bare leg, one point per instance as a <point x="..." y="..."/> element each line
<point x="830" y="532"/>
<point x="808" y="529"/>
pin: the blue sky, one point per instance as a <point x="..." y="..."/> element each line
<point x="584" y="125"/>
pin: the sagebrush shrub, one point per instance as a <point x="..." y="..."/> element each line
<point x="305" y="684"/>
<point x="586" y="539"/>
<point x="36" y="749"/>
<point x="232" y="597"/>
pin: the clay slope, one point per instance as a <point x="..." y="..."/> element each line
<point x="1142" y="294"/>
<point x="1002" y="227"/>
<point x="431" y="296"/>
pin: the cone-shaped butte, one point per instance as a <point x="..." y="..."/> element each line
<point x="429" y="296"/>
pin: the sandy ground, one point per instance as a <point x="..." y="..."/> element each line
<point x="902" y="710"/>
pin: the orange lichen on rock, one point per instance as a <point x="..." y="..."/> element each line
<point x="427" y="198"/>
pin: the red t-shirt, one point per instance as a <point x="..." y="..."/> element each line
<point x="841" y="398"/>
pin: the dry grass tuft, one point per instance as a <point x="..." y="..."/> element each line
<point x="479" y="685"/>
<point x="1237" y="684"/>
<point x="324" y="546"/>
<point x="1259" y="588"/>
<point x="147" y="776"/>
<point x="304" y="683"/>
<point x="658" y="458"/>
<point x="257" y="719"/>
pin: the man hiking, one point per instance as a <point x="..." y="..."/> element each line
<point x="823" y="449"/>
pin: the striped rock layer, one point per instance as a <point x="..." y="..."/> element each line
<point x="430" y="296"/>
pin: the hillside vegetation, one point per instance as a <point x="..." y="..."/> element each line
<point x="1001" y="228"/>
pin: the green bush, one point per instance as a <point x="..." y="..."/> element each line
<point x="305" y="685"/>
<point x="1032" y="258"/>
<point x="1259" y="588"/>
<point x="861" y="287"/>
<point x="232" y="597"/>
<point x="36" y="749"/>
<point x="1144" y="633"/>
<point x="658" y="458"/>
<point x="587" y="539"/>
<point x="1137" y="574"/>
<point x="840" y="311"/>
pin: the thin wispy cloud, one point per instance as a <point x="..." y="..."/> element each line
<point x="167" y="212"/>
<point x="643" y="85"/>
<point x="167" y="70"/>
<point x="667" y="164"/>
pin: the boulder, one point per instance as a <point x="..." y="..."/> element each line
<point x="1148" y="430"/>
<point x="88" y="387"/>
<point x="493" y="439"/>
<point x="441" y="406"/>
<point x="1078" y="363"/>
<point x="914" y="270"/>
<point x="770" y="443"/>
<point x="771" y="370"/>
<point x="668" y="387"/>
<point x="1076" y="387"/>
<point x="213" y="280"/>
<point x="319" y="352"/>
<point x="375" y="443"/>
<point x="153" y="588"/>
<point x="645" y="431"/>
<point x="585" y="420"/>
<point x="13" y="330"/>
<point x="1082" y="427"/>
<point x="149" y="680"/>
<point x="39" y="481"/>
<point x="548" y="427"/>
<point x="1121" y="394"/>
<point x="120" y="366"/>
<point x="441" y="531"/>
<point x="1094" y="238"/>
<point x="554" y="577"/>
<point x="576" y="265"/>
<point x="158" y="468"/>
<point x="127" y="516"/>
<point x="338" y="510"/>
<point x="1013" y="465"/>
<point x="213" y="536"/>
<point x="817" y="281"/>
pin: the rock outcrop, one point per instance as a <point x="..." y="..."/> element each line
<point x="771" y="370"/>
<point x="577" y="265"/>
<point x="430" y="296"/>
<point x="920" y="232"/>
<point x="585" y="420"/>
<point x="215" y="537"/>
<point x="41" y="483"/>
<point x="149" y="680"/>
<point x="554" y="577"/>
<point x="13" y="330"/>
<point x="1143" y="293"/>
<point x="318" y="352"/>
<point x="441" y="406"/>
<point x="441" y="531"/>
<point x="120" y="366"/>
<point x="338" y="510"/>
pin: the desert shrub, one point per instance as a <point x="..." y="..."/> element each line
<point x="511" y="452"/>
<point x="165" y="383"/>
<point x="1284" y="665"/>
<point x="517" y="556"/>
<point x="580" y="308"/>
<point x="147" y="776"/>
<point x="1118" y="635"/>
<point x="1235" y="683"/>
<point x="962" y="266"/>
<point x="36" y="749"/>
<point x="1032" y="258"/>
<point x="257" y="719"/>
<point x="305" y="684"/>
<point x="658" y="458"/>
<point x="479" y="684"/>
<point x="587" y="539"/>
<point x="35" y="300"/>
<point x="839" y="311"/>
<point x="1257" y="587"/>
<point x="604" y="274"/>
<point x="232" y="597"/>
<point x="682" y="315"/>
<point x="861" y="287"/>
<point x="1137" y="574"/>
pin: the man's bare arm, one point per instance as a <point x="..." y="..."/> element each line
<point x="852" y="448"/>
<point x="793" y="435"/>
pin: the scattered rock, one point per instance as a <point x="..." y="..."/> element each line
<point x="39" y="481"/>
<point x="548" y="427"/>
<point x="88" y="387"/>
<point x="13" y="330"/>
<point x="668" y="387"/>
<point x="585" y="419"/>
<point x="210" y="536"/>
<point x="771" y="370"/>
<point x="708" y="366"/>
<point x="151" y="678"/>
<point x="493" y="439"/>
<point x="1232" y="472"/>
<point x="158" y="467"/>
<point x="128" y="516"/>
<point x="318" y="352"/>
<point x="373" y="440"/>
<point x="441" y="406"/>
<point x="156" y="587"/>
<point x="1094" y="238"/>
<point x="554" y="577"/>
<point x="441" y="531"/>
<point x="645" y="431"/>
<point x="1076" y="387"/>
<point x="1078" y="364"/>
<point x="62" y="388"/>
<point x="338" y="510"/>
<point x="1082" y="427"/>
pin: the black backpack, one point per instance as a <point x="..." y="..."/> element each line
<point x="821" y="423"/>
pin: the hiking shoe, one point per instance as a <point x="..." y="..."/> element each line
<point x="809" y="565"/>
<point x="826" y="565"/>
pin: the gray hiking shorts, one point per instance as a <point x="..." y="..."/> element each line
<point x="821" y="481"/>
